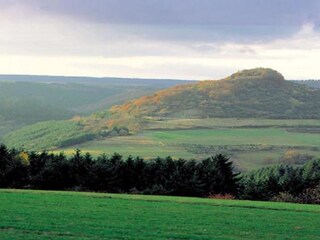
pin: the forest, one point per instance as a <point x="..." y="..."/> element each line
<point x="212" y="177"/>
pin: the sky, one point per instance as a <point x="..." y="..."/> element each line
<point x="176" y="39"/>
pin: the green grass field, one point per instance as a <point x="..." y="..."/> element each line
<point x="248" y="147"/>
<point x="228" y="122"/>
<point x="70" y="215"/>
<point x="269" y="136"/>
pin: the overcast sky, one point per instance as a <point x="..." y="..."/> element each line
<point x="186" y="39"/>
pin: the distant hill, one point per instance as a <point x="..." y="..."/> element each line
<point x="256" y="93"/>
<point x="27" y="99"/>
<point x="80" y="98"/>
<point x="78" y="94"/>
<point x="309" y="83"/>
<point x="115" y="81"/>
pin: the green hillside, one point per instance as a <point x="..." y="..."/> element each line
<point x="18" y="113"/>
<point x="81" y="98"/>
<point x="78" y="94"/>
<point x="30" y="99"/>
<point x="48" y="135"/>
<point x="66" y="215"/>
<point x="257" y="93"/>
<point x="29" y="111"/>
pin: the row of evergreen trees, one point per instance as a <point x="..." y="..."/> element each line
<point x="283" y="183"/>
<point x="209" y="177"/>
<point x="134" y="175"/>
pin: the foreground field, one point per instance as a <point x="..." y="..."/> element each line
<point x="251" y="143"/>
<point x="66" y="215"/>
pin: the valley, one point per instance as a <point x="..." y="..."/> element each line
<point x="254" y="116"/>
<point x="28" y="99"/>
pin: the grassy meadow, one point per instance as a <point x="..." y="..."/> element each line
<point x="70" y="215"/>
<point x="251" y="143"/>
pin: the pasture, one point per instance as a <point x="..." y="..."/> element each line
<point x="250" y="144"/>
<point x="71" y="215"/>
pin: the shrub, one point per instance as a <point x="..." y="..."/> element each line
<point x="222" y="196"/>
<point x="285" y="197"/>
<point x="310" y="195"/>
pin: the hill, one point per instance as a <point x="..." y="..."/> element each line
<point x="48" y="135"/>
<point x="115" y="81"/>
<point x="77" y="93"/>
<point x="30" y="99"/>
<point x="256" y="93"/>
<point x="26" y="215"/>
<point x="310" y="83"/>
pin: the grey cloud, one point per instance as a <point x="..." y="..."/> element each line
<point x="185" y="12"/>
<point x="187" y="20"/>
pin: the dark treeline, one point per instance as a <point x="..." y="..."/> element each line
<point x="211" y="177"/>
<point x="134" y="175"/>
<point x="283" y="183"/>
